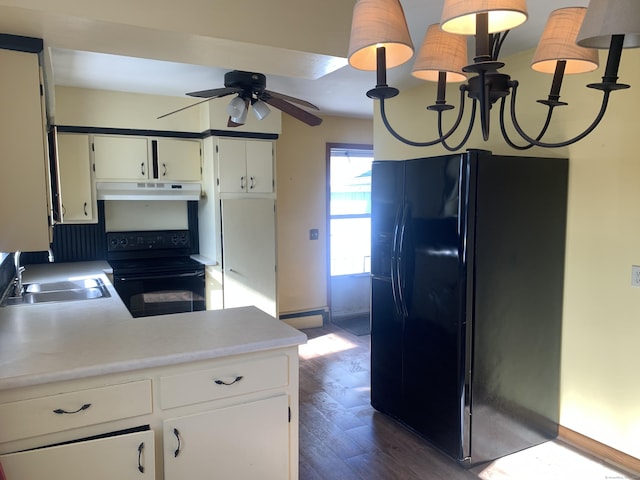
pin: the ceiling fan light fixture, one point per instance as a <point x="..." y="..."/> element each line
<point x="459" y="16"/>
<point x="261" y="109"/>
<point x="558" y="43"/>
<point x="237" y="108"/>
<point x="379" y="23"/>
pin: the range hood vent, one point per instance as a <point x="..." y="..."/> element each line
<point x="147" y="191"/>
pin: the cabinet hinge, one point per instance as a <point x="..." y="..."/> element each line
<point x="289" y="414"/>
<point x="218" y="181"/>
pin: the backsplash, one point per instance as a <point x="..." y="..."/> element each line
<point x="87" y="242"/>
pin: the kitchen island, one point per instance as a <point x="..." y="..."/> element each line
<point x="170" y="396"/>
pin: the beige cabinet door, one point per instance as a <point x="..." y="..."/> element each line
<point x="121" y="158"/>
<point x="245" y="166"/>
<point x="74" y="172"/>
<point x="232" y="165"/>
<point x="122" y="457"/>
<point x="249" y="253"/>
<point x="24" y="190"/>
<point x="259" y="166"/>
<point x="179" y="160"/>
<point x="248" y="441"/>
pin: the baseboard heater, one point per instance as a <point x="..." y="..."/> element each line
<point x="306" y="319"/>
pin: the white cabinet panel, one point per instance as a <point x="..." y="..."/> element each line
<point x="74" y="171"/>
<point x="245" y="166"/>
<point x="179" y="160"/>
<point x="120" y="158"/>
<point x="24" y="190"/>
<point x="249" y="253"/>
<point x="242" y="442"/>
<point x="122" y="457"/>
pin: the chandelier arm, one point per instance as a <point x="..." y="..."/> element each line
<point x="466" y="135"/>
<point x="485" y="106"/>
<point x="536" y="142"/>
<point x="505" y="135"/>
<point x="430" y="143"/>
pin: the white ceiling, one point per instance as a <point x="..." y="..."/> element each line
<point x="167" y="49"/>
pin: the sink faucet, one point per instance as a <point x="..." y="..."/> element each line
<point x="19" y="270"/>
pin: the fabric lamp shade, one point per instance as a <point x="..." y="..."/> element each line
<point x="441" y="52"/>
<point x="558" y="42"/>
<point x="379" y="23"/>
<point x="459" y="16"/>
<point x="605" y="18"/>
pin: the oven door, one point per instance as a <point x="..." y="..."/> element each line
<point x="147" y="294"/>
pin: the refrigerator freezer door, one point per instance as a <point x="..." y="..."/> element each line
<point x="434" y="333"/>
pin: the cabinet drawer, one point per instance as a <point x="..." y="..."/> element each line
<point x="224" y="381"/>
<point x="55" y="413"/>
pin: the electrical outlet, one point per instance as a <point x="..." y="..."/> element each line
<point x="635" y="275"/>
<point x="314" y="234"/>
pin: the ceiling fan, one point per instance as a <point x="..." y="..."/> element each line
<point x="251" y="92"/>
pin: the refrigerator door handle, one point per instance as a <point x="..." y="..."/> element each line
<point x="395" y="250"/>
<point x="400" y="262"/>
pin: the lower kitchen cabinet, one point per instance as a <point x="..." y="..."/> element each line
<point x="240" y="442"/>
<point x="234" y="417"/>
<point x="122" y="457"/>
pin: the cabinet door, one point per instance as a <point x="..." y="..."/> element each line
<point x="120" y="158"/>
<point x="259" y="167"/>
<point x="179" y="160"/>
<point x="24" y="190"/>
<point x="74" y="170"/>
<point x="232" y="165"/>
<point x="249" y="253"/>
<point x="240" y="442"/>
<point x="122" y="457"/>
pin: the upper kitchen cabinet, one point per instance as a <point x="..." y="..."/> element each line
<point x="245" y="166"/>
<point x="76" y="201"/>
<point x="178" y="159"/>
<point x="24" y="205"/>
<point x="120" y="158"/>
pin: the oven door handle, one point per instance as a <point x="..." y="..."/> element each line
<point x="156" y="277"/>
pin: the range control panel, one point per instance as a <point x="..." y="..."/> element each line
<point x="147" y="240"/>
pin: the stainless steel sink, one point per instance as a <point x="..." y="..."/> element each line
<point x="63" y="291"/>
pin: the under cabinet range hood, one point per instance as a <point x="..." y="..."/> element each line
<point x="147" y="191"/>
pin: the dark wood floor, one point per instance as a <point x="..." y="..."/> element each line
<point x="343" y="438"/>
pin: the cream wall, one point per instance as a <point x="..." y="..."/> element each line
<point x="301" y="190"/>
<point x="599" y="390"/>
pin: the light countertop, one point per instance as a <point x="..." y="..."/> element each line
<point x="52" y="342"/>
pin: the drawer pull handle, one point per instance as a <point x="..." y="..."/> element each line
<point x="222" y="382"/>
<point x="60" y="411"/>
<point x="140" y="448"/>
<point x="177" y="434"/>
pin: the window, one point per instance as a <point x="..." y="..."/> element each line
<point x="350" y="210"/>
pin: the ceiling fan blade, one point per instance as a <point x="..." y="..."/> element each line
<point x="295" y="100"/>
<point x="290" y="109"/>
<point x="215" y="92"/>
<point x="184" y="108"/>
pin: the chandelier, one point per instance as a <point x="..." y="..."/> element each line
<point x="380" y="39"/>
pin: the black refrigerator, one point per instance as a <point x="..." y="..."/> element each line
<point x="467" y="267"/>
